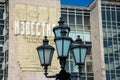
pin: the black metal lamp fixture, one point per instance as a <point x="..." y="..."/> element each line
<point x="79" y="51"/>
<point x="45" y="53"/>
<point x="57" y="30"/>
<point x="64" y="44"/>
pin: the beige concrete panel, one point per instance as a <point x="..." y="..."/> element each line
<point x="27" y="49"/>
<point x="52" y="15"/>
<point x="97" y="42"/>
<point x="34" y="76"/>
<point x="27" y="54"/>
<point x="20" y="12"/>
<point x="43" y="13"/>
<point x="22" y="49"/>
<point x="32" y="13"/>
<point x="13" y="67"/>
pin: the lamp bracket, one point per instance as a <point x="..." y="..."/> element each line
<point x="62" y="62"/>
<point x="63" y="75"/>
<point x="51" y="76"/>
<point x="46" y="73"/>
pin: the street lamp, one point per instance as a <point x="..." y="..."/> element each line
<point x="45" y="53"/>
<point x="64" y="45"/>
<point x="57" y="30"/>
<point x="79" y="51"/>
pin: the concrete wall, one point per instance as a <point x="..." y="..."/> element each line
<point x="23" y="58"/>
<point x="97" y="42"/>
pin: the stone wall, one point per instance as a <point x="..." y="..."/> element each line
<point x="23" y="58"/>
<point x="97" y="42"/>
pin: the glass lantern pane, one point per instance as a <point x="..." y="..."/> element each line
<point x="41" y="56"/>
<point x="51" y="55"/>
<point x="57" y="32"/>
<point x="59" y="47"/>
<point x="76" y="53"/>
<point x="83" y="54"/>
<point x="66" y="47"/>
<point x="47" y="56"/>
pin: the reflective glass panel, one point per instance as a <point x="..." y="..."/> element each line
<point x="66" y="47"/>
<point x="47" y="56"/>
<point x="41" y="56"/>
<point x="83" y="54"/>
<point x="59" y="47"/>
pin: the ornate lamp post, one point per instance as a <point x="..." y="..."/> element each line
<point x="64" y="44"/>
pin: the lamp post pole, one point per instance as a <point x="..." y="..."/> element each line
<point x="64" y="45"/>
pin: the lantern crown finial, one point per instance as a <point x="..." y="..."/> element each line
<point x="45" y="41"/>
<point x="78" y="36"/>
<point x="61" y="22"/>
<point x="78" y="40"/>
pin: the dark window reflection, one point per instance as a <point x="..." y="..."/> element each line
<point x="113" y="16"/>
<point x="108" y="76"/>
<point x="106" y="60"/>
<point x="72" y="19"/>
<point x="1" y="30"/>
<point x="111" y="40"/>
<point x="103" y="14"/>
<point x="64" y="17"/>
<point x="86" y="20"/>
<point x="1" y="13"/>
<point x="118" y="16"/>
<point x="79" y="19"/>
<point x="108" y="15"/>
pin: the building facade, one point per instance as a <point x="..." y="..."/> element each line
<point x="111" y="38"/>
<point x="4" y="32"/>
<point x="78" y="19"/>
<point x="24" y="23"/>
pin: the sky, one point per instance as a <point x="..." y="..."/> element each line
<point x="76" y="2"/>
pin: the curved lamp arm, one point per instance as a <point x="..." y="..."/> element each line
<point x="46" y="73"/>
<point x="62" y="75"/>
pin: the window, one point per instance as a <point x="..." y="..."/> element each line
<point x="79" y="23"/>
<point x="103" y="14"/>
<point x="86" y="20"/>
<point x="110" y="40"/>
<point x="113" y="16"/>
<point x="87" y="36"/>
<point x="1" y="29"/>
<point x="64" y="17"/>
<point x="1" y="13"/>
<point x="1" y="43"/>
<point x="3" y="23"/>
<point x="79" y="19"/>
<point x="108" y="15"/>
<point x="71" y="19"/>
<point x="118" y="16"/>
<point x="1" y="49"/>
<point x="89" y="67"/>
<point x="72" y="27"/>
<point x="79" y="27"/>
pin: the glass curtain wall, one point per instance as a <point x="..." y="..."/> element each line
<point x="78" y="19"/>
<point x="111" y="40"/>
<point x="4" y="39"/>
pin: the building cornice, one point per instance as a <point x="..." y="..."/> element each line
<point x="92" y="5"/>
<point x="111" y="3"/>
<point x="75" y="7"/>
